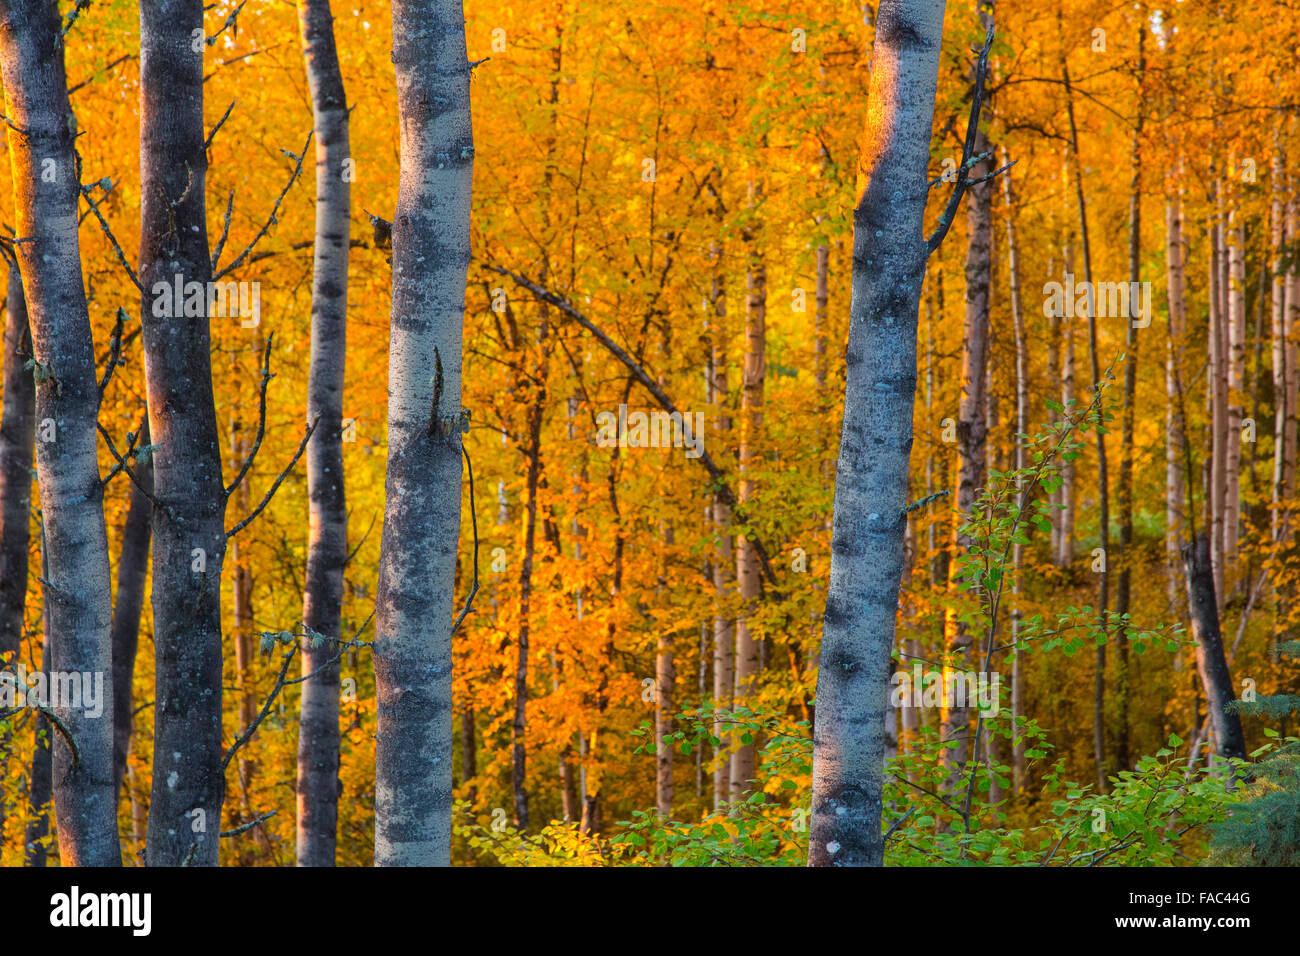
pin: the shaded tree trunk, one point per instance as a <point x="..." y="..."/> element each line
<point x="132" y="570"/>
<point x="1210" y="660"/>
<point x="189" y="538"/>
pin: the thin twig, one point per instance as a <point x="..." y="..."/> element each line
<point x="261" y="418"/>
<point x="271" y="220"/>
<point x="302" y="446"/>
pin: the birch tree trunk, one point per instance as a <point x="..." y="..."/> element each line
<point x="744" y="757"/>
<point x="724" y="630"/>
<point x="318" y="733"/>
<point x="889" y="253"/>
<point x="189" y="539"/>
<point x="42" y="138"/>
<point x="1174" y="425"/>
<point x="417" y="565"/>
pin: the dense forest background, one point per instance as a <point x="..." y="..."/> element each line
<point x="635" y="680"/>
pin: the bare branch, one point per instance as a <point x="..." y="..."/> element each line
<point x="473" y="517"/>
<point x="302" y="446"/>
<point x="261" y="418"/>
<point x="249" y="825"/>
<point x="114" y="351"/>
<point x="968" y="148"/>
<point x="207" y="143"/>
<point x="271" y="220"/>
<point x="723" y="489"/>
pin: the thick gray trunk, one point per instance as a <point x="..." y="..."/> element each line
<point x="78" y="596"/>
<point x="889" y="254"/>
<point x="417" y="566"/>
<point x="189" y="539"/>
<point x="322" y="604"/>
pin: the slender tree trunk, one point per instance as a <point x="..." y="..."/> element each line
<point x="1103" y="480"/>
<point x="327" y="550"/>
<point x="189" y="538"/>
<point x="1174" y="425"/>
<point x="1220" y="437"/>
<point x="1124" y="580"/>
<point x="744" y="757"/>
<point x="42" y="134"/>
<point x="1022" y="429"/>
<point x="17" y="437"/>
<point x="972" y="434"/>
<point x="1065" y="554"/>
<point x="1236" y="293"/>
<point x="417" y="564"/>
<point x="724" y="629"/>
<point x="1210" y="660"/>
<point x="132" y="570"/>
<point x="889" y="254"/>
<point x="40" y="781"/>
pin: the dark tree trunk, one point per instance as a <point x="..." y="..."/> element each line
<point x="189" y="539"/>
<point x="1216" y="680"/>
<point x="132" y="569"/>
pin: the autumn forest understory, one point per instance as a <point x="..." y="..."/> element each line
<point x="607" y="434"/>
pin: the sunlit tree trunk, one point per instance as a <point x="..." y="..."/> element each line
<point x="189" y="540"/>
<point x="889" y="253"/>
<point x="1022" y="429"/>
<point x="724" y="629"/>
<point x="46" y="188"/>
<point x="1103" y="480"/>
<point x="417" y="565"/>
<point x="318" y="733"/>
<point x="1175" y="453"/>
<point x="743" y="758"/>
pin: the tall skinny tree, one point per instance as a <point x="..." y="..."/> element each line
<point x="889" y="256"/>
<point x="47" y="188"/>
<point x="417" y="563"/>
<point x="189" y="538"/>
<point x="322" y="604"/>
